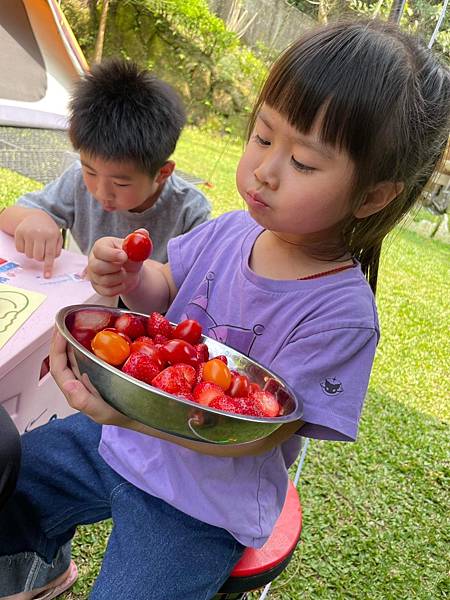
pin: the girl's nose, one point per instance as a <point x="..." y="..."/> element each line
<point x="267" y="172"/>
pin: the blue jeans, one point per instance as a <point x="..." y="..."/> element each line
<point x="154" y="552"/>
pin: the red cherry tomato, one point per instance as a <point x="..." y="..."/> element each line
<point x="110" y="347"/>
<point x="151" y="350"/>
<point x="138" y="246"/>
<point x="216" y="371"/>
<point x="188" y="330"/>
<point x="239" y="386"/>
<point x="179" y="351"/>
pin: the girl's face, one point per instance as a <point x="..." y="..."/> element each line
<point x="293" y="183"/>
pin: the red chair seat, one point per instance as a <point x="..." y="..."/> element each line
<point x="281" y="543"/>
<point x="258" y="567"/>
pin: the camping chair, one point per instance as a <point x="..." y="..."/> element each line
<point x="258" y="568"/>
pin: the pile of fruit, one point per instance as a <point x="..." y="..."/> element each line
<point x="171" y="358"/>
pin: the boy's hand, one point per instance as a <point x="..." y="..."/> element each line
<point x="39" y="237"/>
<point x="109" y="269"/>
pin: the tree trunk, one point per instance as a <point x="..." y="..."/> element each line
<point x="98" y="52"/>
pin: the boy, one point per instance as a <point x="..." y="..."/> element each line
<point x="125" y="124"/>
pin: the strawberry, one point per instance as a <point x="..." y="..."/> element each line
<point x="223" y="358"/>
<point x="223" y="403"/>
<point x="160" y="339"/>
<point x="188" y="372"/>
<point x="122" y="335"/>
<point x="245" y="406"/>
<point x="187" y="396"/>
<point x="205" y="393"/>
<point x="141" y="367"/>
<point x="200" y="372"/>
<point x="145" y="339"/>
<point x="265" y="402"/>
<point x="157" y="324"/>
<point x="202" y="352"/>
<point x="92" y="319"/>
<point x="131" y="325"/>
<point x="172" y="380"/>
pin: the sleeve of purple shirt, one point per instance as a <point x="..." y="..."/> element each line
<point x="330" y="373"/>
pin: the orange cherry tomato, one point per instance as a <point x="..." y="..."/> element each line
<point x="110" y="347"/>
<point x="216" y="371"/>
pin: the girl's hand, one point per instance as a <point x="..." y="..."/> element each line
<point x="110" y="271"/>
<point x="39" y="237"/>
<point x="81" y="395"/>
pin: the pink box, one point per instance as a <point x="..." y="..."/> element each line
<point x="27" y="391"/>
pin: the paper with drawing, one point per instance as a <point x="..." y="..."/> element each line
<point x="16" y="306"/>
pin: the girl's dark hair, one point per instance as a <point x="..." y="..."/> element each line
<point x="120" y="112"/>
<point x="383" y="98"/>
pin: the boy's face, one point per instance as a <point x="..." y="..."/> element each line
<point x="121" y="186"/>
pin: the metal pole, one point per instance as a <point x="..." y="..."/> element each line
<point x="397" y="9"/>
<point x="438" y="24"/>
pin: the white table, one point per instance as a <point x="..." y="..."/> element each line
<point x="27" y="391"/>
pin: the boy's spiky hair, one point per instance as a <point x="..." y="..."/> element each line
<point x="121" y="112"/>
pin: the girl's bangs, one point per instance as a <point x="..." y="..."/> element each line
<point x="334" y="85"/>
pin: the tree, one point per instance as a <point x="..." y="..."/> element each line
<point x="98" y="52"/>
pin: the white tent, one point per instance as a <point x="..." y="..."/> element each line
<point x="39" y="61"/>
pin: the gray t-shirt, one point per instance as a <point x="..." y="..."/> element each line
<point x="180" y="207"/>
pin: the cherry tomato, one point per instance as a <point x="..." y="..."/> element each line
<point x="216" y="371"/>
<point x="110" y="347"/>
<point x="239" y="386"/>
<point x="138" y="246"/>
<point x="131" y="325"/>
<point x="124" y="335"/>
<point x="179" y="351"/>
<point x="188" y="330"/>
<point x="149" y="349"/>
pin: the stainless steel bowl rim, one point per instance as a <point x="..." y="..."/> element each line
<point x="60" y="320"/>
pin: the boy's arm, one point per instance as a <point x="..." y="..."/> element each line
<point x="36" y="234"/>
<point x="12" y="216"/>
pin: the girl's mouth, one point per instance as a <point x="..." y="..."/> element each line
<point x="254" y="199"/>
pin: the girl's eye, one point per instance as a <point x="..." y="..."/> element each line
<point x="259" y="140"/>
<point x="122" y="184"/>
<point x="301" y="167"/>
<point x="90" y="174"/>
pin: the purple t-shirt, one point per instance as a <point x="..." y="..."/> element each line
<point x="319" y="335"/>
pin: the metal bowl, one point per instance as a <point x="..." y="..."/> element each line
<point x="173" y="415"/>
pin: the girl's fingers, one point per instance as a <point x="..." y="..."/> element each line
<point x="109" y="249"/>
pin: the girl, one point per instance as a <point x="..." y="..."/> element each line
<point x="344" y="136"/>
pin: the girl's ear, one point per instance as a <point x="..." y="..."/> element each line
<point x="379" y="197"/>
<point x="165" y="171"/>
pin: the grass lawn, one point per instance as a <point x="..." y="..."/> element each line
<point x="376" y="522"/>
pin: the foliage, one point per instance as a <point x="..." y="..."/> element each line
<point x="185" y="44"/>
<point x="419" y="16"/>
